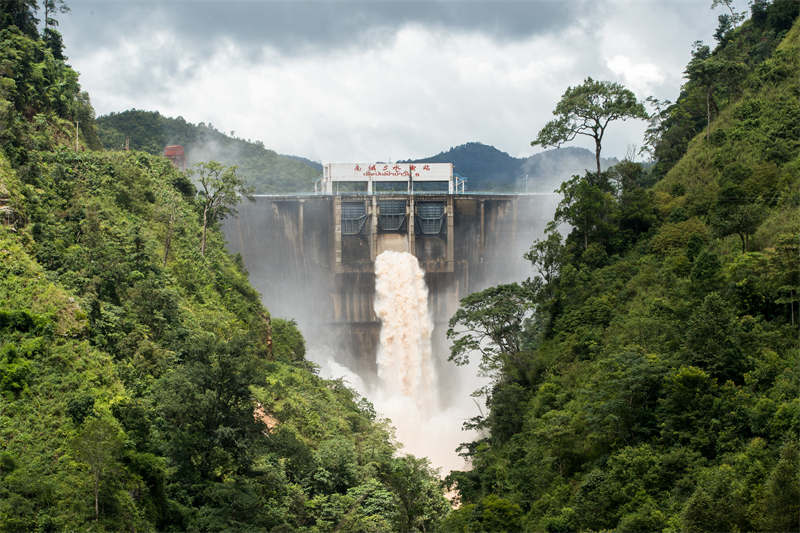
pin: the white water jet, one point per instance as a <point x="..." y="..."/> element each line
<point x="407" y="391"/>
<point x="405" y="365"/>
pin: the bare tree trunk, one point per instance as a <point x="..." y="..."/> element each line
<point x="597" y="158"/>
<point x="733" y="15"/>
<point x="205" y="223"/>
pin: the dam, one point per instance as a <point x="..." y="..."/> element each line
<point x="312" y="256"/>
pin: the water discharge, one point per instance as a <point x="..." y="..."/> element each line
<point x="405" y="365"/>
<point x="407" y="390"/>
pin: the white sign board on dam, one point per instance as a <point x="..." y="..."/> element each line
<point x="371" y="174"/>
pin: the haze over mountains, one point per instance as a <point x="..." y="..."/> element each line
<point x="485" y="167"/>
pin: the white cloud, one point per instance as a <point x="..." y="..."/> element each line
<point x="640" y="78"/>
<point x="422" y="90"/>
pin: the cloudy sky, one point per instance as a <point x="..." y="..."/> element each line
<point x="382" y="80"/>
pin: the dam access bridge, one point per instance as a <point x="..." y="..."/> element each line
<point x="312" y="256"/>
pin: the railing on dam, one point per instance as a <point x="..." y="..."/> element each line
<point x="402" y="193"/>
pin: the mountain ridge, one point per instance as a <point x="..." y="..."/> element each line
<point x="488" y="168"/>
<point x="150" y="131"/>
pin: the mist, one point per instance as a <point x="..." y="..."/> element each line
<point x="286" y="243"/>
<point x="546" y="171"/>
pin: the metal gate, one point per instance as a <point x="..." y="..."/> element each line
<point x="430" y="217"/>
<point x="392" y="214"/>
<point x="354" y="218"/>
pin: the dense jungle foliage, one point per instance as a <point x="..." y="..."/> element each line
<point x="149" y="131"/>
<point x="646" y="378"/>
<point x="143" y="386"/>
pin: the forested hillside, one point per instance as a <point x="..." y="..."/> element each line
<point x="143" y="386"/>
<point x="646" y="377"/>
<point x="149" y="131"/>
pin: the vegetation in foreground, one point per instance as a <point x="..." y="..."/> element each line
<point x="646" y="378"/>
<point x="143" y="386"/>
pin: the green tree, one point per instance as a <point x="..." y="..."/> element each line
<point x="687" y="410"/>
<point x="786" y="271"/>
<point x="694" y="246"/>
<point x="585" y="206"/>
<point x="782" y="492"/>
<point x="706" y="272"/>
<point x="168" y="213"/>
<point x="50" y="8"/>
<point x="724" y="28"/>
<point x="50" y="36"/>
<point x="421" y="506"/>
<point x="98" y="444"/>
<point x="54" y="42"/>
<point x="587" y="110"/>
<point x="734" y="17"/>
<point x="222" y="190"/>
<point x="717" y="504"/>
<point x="500" y="515"/>
<point x="491" y="324"/>
<point x="14" y="371"/>
<point x="736" y="212"/>
<point x="20" y="13"/>
<point x="621" y="402"/>
<point x="207" y="409"/>
<point x="289" y="346"/>
<point x="547" y="256"/>
<point x="656" y="125"/>
<point x="708" y="73"/>
<point x="712" y="339"/>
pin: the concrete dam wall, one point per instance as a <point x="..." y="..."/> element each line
<point x="312" y="258"/>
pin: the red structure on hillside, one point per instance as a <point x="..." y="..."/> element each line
<point x="175" y="154"/>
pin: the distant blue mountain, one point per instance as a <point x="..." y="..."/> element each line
<point x="488" y="169"/>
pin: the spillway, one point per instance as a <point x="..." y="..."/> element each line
<point x="314" y="258"/>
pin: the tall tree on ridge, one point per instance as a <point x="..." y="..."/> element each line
<point x="50" y="7"/>
<point x="734" y="16"/>
<point x="586" y="110"/>
<point x="708" y="73"/>
<point x="50" y="35"/>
